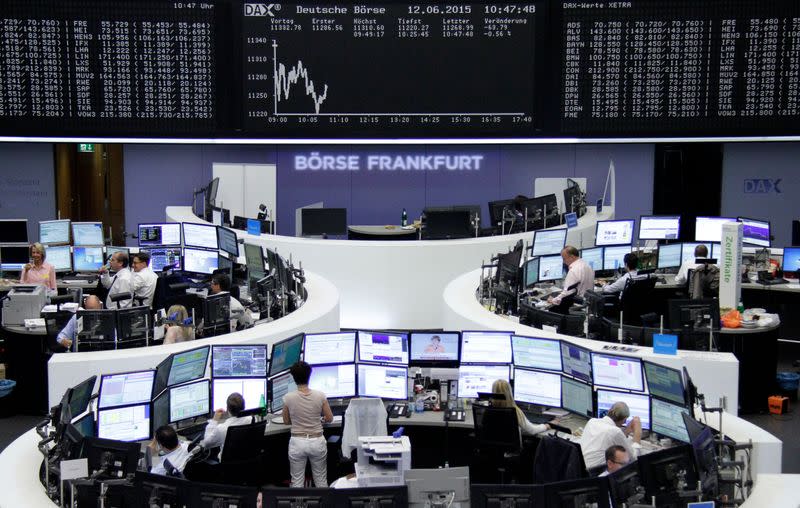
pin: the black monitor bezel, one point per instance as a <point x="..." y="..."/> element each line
<point x="103" y="377"/>
<point x="622" y="357"/>
<point x="215" y="347"/>
<point x="542" y="231"/>
<point x="587" y="350"/>
<point x="199" y="247"/>
<point x="639" y="230"/>
<point x="442" y="364"/>
<point x="157" y="245"/>
<point x="222" y="230"/>
<point x="200" y="274"/>
<point x="383" y="362"/>
<point x="593" y="409"/>
<point x="196" y="382"/>
<point x="744" y="238"/>
<point x="380" y="365"/>
<point x="461" y="360"/>
<point x="546" y="339"/>
<point x="75" y="250"/>
<point x="271" y="353"/>
<point x="597" y="230"/>
<point x="355" y="347"/>
<point x="355" y="377"/>
<point x="645" y="363"/>
<point x="148" y="405"/>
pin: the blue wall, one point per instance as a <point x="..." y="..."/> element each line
<point x="27" y="184"/>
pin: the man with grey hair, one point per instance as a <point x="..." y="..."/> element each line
<point x="602" y="433"/>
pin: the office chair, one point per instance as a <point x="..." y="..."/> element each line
<point x="567" y="301"/>
<point x="363" y="417"/>
<point x="637" y="299"/>
<point x="241" y="462"/>
<point x="54" y="322"/>
<point x="704" y="282"/>
<point x="498" y="440"/>
<point x="558" y="460"/>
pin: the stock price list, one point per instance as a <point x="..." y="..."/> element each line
<point x="404" y="70"/>
<point x="680" y="67"/>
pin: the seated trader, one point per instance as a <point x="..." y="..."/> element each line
<point x="221" y="282"/>
<point x="217" y="429"/>
<point x="38" y="271"/>
<point x="144" y="279"/>
<point x="618" y="286"/>
<point x="580" y="273"/>
<point x="178" y="324"/>
<point x="174" y="451"/>
<point x="502" y="387"/>
<point x="616" y="459"/>
<point x="120" y="282"/>
<point x="66" y="337"/>
<point x="701" y="251"/>
<point x="601" y="433"/>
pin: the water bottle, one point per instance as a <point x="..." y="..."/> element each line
<point x="262" y="403"/>
<point x="419" y="404"/>
<point x="404" y="218"/>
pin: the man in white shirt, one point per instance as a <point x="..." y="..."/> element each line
<point x="144" y="278"/>
<point x="616" y="459"/>
<point x="66" y="337"/>
<point x="174" y="451"/>
<point x="118" y="283"/>
<point x="701" y="251"/>
<point x="217" y="429"/>
<point x="221" y="282"/>
<point x="618" y="286"/>
<point x="601" y="433"/>
<point x="580" y="273"/>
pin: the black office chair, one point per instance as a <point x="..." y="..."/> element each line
<point x="637" y="299"/>
<point x="558" y="460"/>
<point x="54" y="322"/>
<point x="242" y="460"/>
<point x="498" y="441"/>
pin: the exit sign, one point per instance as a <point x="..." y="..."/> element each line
<point x="86" y="147"/>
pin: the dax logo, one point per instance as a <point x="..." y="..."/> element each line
<point x="261" y="9"/>
<point x="762" y="185"/>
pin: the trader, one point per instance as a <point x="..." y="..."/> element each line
<point x="144" y="278"/>
<point x="221" y="282"/>
<point x="217" y="428"/>
<point x="66" y="337"/>
<point x="618" y="286"/>
<point x="616" y="459"/>
<point x="580" y="273"/>
<point x="176" y="453"/>
<point x="38" y="271"/>
<point x="120" y="282"/>
<point x="701" y="251"/>
<point x="601" y="433"/>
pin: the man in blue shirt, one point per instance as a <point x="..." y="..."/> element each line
<point x="66" y="337"/>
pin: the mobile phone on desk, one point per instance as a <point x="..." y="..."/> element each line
<point x="398" y="410"/>
<point x="455" y="415"/>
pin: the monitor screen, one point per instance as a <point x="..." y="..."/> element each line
<point x="614" y="232"/>
<point x="15" y="258"/>
<point x="576" y="397"/>
<point x="58" y="256"/>
<point x="15" y="231"/>
<point x="216" y="217"/>
<point x="709" y="229"/>
<point x="617" y="372"/>
<point x="128" y="424"/>
<point x="253" y="390"/>
<point x="87" y="259"/>
<point x="669" y="256"/>
<point x="687" y="253"/>
<point x="479" y="378"/>
<point x="791" y="259"/>
<point x="200" y="261"/>
<point x="324" y="221"/>
<point x="169" y="257"/>
<point x="577" y="361"/>
<point x="755" y="232"/>
<point x="86" y="425"/>
<point x="335" y="381"/>
<point x="548" y="242"/>
<point x="551" y="268"/>
<point x="716" y="251"/>
<point x="383" y="347"/>
<point x="667" y="420"/>
<point x="188" y="366"/>
<point x="110" y="251"/>
<point x="157" y="235"/>
<point x="285" y="354"/>
<point x="188" y="401"/>
<point x="485" y="347"/>
<point x="614" y="257"/>
<point x="254" y="257"/>
<point x="160" y="414"/>
<point x="639" y="405"/>
<point x="531" y="267"/>
<point x="228" y="241"/>
<point x="322" y="348"/>
<point x="664" y="382"/>
<point x="87" y="233"/>
<point x="80" y="395"/>
<point x="54" y="231"/>
<point x="594" y="257"/>
<point x="200" y="235"/>
<point x="659" y="227"/>
<point x="535" y="387"/>
<point x="383" y="381"/>
<point x="433" y="348"/>
<point x="126" y="388"/>
<point x="278" y="387"/>
<point x="239" y="361"/>
<point x="536" y="353"/>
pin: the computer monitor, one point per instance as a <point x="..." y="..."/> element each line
<point x="664" y="382"/>
<point x="228" y="241"/>
<point x="189" y="401"/>
<point x="639" y="405"/>
<point x="614" y="232"/>
<point x="549" y="242"/>
<point x="14" y="231"/>
<point x="200" y="261"/>
<point x="694" y="315"/>
<point x="281" y="497"/>
<point x="168" y="257"/>
<point x="429" y="486"/>
<point x="98" y="326"/>
<point x="122" y="462"/>
<point x="659" y="227"/>
<point x="594" y="257"/>
<point x="716" y="251"/>
<point x="384" y="381"/>
<point x="54" y="231"/>
<point x="160" y="235"/>
<point x="709" y="229"/>
<point x="486" y="347"/>
<point x="434" y="349"/>
<point x="614" y="371"/>
<point x="285" y="353"/>
<point x="537" y="387"/>
<point x="755" y="232"/>
<point x="217" y="312"/>
<point x="531" y="273"/>
<point x="383" y="347"/>
<point x="576" y="397"/>
<point x="57" y="255"/>
<point x="211" y="193"/>
<point x="508" y="265"/>
<point x="577" y="361"/>
<point x="687" y="253"/>
<point x="325" y="348"/>
<point x="14" y="258"/>
<point x="129" y="423"/>
<point x="163" y="491"/>
<point x="110" y="251"/>
<point x="492" y="496"/>
<point x="324" y="221"/>
<point x="666" y="472"/>
<point x="214" y="495"/>
<point x="586" y="492"/>
<point x="670" y="256"/>
<point x="395" y="496"/>
<point x="133" y="323"/>
<point x="86" y="425"/>
<point x="203" y="236"/>
<point x="666" y="419"/>
<point x="87" y="259"/>
<point x="253" y="390"/>
<point x="335" y="381"/>
<point x="80" y="395"/>
<point x="791" y="259"/>
<point x="701" y="438"/>
<point x="225" y="266"/>
<point x="160" y="412"/>
<point x="479" y="378"/>
<point x="126" y="388"/>
<point x="254" y="258"/>
<point x="180" y="368"/>
<point x="551" y="268"/>
<point x="614" y="257"/>
<point x="278" y="387"/>
<point x="624" y="484"/>
<point x="448" y="224"/>
<point x="536" y="352"/>
<point x="217" y="217"/>
<point x="87" y="233"/>
<point x="239" y="361"/>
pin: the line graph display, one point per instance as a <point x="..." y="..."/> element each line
<point x="436" y="70"/>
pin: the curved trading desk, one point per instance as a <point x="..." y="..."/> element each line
<point x="320" y="313"/>
<point x="387" y="284"/>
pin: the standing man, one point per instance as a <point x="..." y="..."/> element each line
<point x="580" y="273"/>
<point x="120" y="282"/>
<point x="144" y="278"/>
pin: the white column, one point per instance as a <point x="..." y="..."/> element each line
<point x="730" y="266"/>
